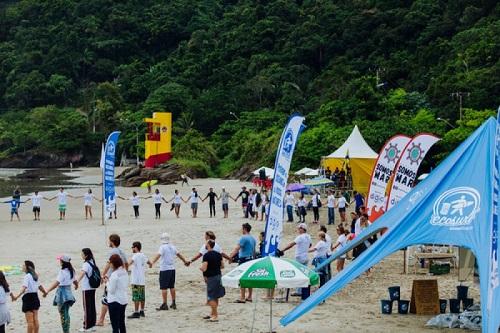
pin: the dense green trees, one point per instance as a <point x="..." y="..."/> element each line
<point x="232" y="71"/>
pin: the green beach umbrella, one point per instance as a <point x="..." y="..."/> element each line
<point x="270" y="273"/>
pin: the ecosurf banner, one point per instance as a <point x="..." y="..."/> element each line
<point x="108" y="166"/>
<point x="382" y="172"/>
<point x="274" y="223"/>
<point x="405" y="172"/>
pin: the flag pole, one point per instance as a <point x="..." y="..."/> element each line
<point x="102" y="186"/>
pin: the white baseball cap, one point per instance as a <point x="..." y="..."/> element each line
<point x="165" y="238"/>
<point x="302" y="226"/>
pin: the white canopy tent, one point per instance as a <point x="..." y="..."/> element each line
<point x="303" y="171"/>
<point x="269" y="172"/>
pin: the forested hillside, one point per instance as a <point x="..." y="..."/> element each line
<point x="231" y="72"/>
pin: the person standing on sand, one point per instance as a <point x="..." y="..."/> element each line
<point x="211" y="268"/>
<point x="114" y="244"/>
<point x="117" y="296"/>
<point x="211" y="195"/>
<point x="14" y="208"/>
<point x="193" y="199"/>
<point x="62" y="201"/>
<point x="157" y="199"/>
<point x="341" y="242"/>
<point x="184" y="180"/>
<point x="176" y="205"/>
<point x="4" y="308"/>
<point x="290" y="203"/>
<point x="137" y="265"/>
<point x="341" y="205"/>
<point x="36" y="201"/>
<point x="64" y="297"/>
<point x="245" y="249"/>
<point x="135" y="200"/>
<point x="88" y="292"/>
<point x="224" y="197"/>
<point x="301" y="206"/>
<point x="31" y="301"/>
<point x="244" y="194"/>
<point x="166" y="254"/>
<point x="87" y="200"/>
<point x="17" y="194"/>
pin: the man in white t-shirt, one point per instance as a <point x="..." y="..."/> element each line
<point x="341" y="205"/>
<point x="166" y="254"/>
<point x="137" y="264"/>
<point x="62" y="200"/>
<point x="209" y="235"/>
<point x="302" y="243"/>
<point x="330" y="203"/>
<point x="36" y="201"/>
<point x="289" y="203"/>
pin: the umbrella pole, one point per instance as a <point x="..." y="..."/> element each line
<point x="271" y="316"/>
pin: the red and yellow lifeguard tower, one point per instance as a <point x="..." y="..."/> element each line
<point x="158" y="144"/>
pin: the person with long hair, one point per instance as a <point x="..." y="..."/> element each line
<point x="157" y="199"/>
<point x="117" y="294"/>
<point x="87" y="199"/>
<point x="4" y="309"/>
<point x="31" y="302"/>
<point x="193" y="199"/>
<point x="135" y="201"/>
<point x="176" y="205"/>
<point x="88" y="292"/>
<point x="341" y="242"/>
<point x="64" y="298"/>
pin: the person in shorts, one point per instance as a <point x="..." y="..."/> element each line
<point x="36" y="201"/>
<point x="62" y="199"/>
<point x="166" y="254"/>
<point x="14" y="208"/>
<point x="193" y="199"/>
<point x="244" y="194"/>
<point x="224" y="197"/>
<point x="246" y="252"/>
<point x="137" y="264"/>
<point x="211" y="268"/>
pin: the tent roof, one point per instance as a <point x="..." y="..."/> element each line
<point x="355" y="146"/>
<point x="269" y="171"/>
<point x="303" y="171"/>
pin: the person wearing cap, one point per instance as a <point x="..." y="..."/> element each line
<point x="64" y="298"/>
<point x="245" y="249"/>
<point x="244" y="194"/>
<point x="224" y="197"/>
<point x="166" y="254"/>
<point x="302" y="243"/>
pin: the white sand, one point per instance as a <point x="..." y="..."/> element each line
<point x="355" y="309"/>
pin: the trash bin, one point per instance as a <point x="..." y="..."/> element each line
<point x="454" y="305"/>
<point x="394" y="293"/>
<point x="403" y="306"/>
<point x="386" y="306"/>
<point x="442" y="305"/>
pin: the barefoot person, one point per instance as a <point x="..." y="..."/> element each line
<point x="341" y="242"/>
<point x="211" y="268"/>
<point x="157" y="199"/>
<point x="209" y="235"/>
<point x="31" y="301"/>
<point x="62" y="199"/>
<point x="36" y="201"/>
<point x="64" y="298"/>
<point x="224" y="197"/>
<point x="245" y="249"/>
<point x="14" y="208"/>
<point x="193" y="199"/>
<point x="87" y="200"/>
<point x="211" y="196"/>
<point x="176" y="205"/>
<point x="135" y="200"/>
<point x="166" y="254"/>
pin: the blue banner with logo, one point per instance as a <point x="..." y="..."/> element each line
<point x="453" y="206"/>
<point x="108" y="165"/>
<point x="274" y="223"/>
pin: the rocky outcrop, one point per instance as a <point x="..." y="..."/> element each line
<point x="164" y="174"/>
<point x="42" y="160"/>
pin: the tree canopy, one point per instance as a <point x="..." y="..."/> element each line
<point x="231" y="72"/>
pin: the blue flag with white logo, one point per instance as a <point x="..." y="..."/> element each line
<point x="454" y="205"/>
<point x="274" y="223"/>
<point x="108" y="165"/>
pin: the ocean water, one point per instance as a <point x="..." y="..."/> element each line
<point x="35" y="179"/>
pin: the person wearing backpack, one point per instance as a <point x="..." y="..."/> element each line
<point x="90" y="278"/>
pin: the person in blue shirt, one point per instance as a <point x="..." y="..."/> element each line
<point x="360" y="201"/>
<point x="246" y="252"/>
<point x="14" y="208"/>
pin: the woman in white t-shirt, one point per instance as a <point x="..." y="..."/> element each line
<point x="135" y="200"/>
<point x="157" y="199"/>
<point x="87" y="200"/>
<point x="341" y="205"/>
<point x="64" y="298"/>
<point x="341" y="242"/>
<point x="176" y="204"/>
<point x="88" y="292"/>
<point x="4" y="308"/>
<point x="330" y="203"/>
<point x="29" y="291"/>
<point x="193" y="199"/>
<point x="320" y="255"/>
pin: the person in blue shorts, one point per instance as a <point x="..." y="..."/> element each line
<point x="14" y="208"/>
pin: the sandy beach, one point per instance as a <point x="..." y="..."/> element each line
<point x="355" y="309"/>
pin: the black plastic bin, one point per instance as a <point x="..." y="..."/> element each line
<point x="386" y="306"/>
<point x="403" y="306"/>
<point x="443" y="303"/>
<point x="394" y="293"/>
<point x="454" y="305"/>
